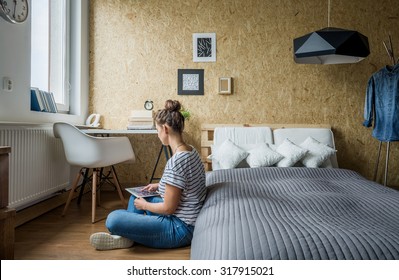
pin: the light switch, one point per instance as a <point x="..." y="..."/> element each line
<point x="7" y="84"/>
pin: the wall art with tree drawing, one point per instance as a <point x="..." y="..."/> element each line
<point x="204" y="47"/>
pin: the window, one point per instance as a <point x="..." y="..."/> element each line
<point x="50" y="51"/>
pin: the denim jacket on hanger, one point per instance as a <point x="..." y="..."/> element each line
<point x="382" y="104"/>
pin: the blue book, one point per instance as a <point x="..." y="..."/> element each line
<point x="34" y="103"/>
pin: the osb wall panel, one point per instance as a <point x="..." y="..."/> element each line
<point x="136" y="47"/>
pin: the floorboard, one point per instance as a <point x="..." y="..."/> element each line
<point x="53" y="237"/>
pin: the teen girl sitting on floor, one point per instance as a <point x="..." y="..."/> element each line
<point x="167" y="221"/>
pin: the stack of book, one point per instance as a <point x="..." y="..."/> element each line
<point x="42" y="101"/>
<point x="141" y="119"/>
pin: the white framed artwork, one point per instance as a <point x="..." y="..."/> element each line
<point x="204" y="47"/>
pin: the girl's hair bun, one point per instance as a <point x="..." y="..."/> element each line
<point x="171" y="116"/>
<point x="172" y="105"/>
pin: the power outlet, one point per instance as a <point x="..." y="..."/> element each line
<point x="7" y="84"/>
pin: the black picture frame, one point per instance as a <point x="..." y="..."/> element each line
<point x="190" y="81"/>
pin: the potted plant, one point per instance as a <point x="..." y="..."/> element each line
<point x="186" y="114"/>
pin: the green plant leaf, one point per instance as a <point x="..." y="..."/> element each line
<point x="186" y="114"/>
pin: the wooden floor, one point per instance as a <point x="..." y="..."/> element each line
<point x="53" y="237"/>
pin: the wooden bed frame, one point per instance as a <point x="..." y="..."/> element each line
<point x="207" y="132"/>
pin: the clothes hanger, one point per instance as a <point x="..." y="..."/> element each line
<point x="390" y="51"/>
<point x="393" y="56"/>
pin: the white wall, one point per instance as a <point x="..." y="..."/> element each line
<point x="15" y="64"/>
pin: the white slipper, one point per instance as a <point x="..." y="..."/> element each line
<point x="105" y="241"/>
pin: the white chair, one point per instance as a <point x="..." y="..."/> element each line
<point x="88" y="152"/>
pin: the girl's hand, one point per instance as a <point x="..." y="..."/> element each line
<point x="151" y="187"/>
<point x="140" y="203"/>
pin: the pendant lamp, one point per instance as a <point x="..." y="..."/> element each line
<point x="331" y="46"/>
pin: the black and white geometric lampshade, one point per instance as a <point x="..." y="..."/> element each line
<point x="331" y="46"/>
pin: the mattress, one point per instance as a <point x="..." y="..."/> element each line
<point x="296" y="213"/>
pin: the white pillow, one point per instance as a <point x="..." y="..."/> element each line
<point x="317" y="154"/>
<point x="229" y="155"/>
<point x="291" y="152"/>
<point x="262" y="155"/>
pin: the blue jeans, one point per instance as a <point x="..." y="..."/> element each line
<point x="149" y="229"/>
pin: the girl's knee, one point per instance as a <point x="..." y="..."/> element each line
<point x="113" y="219"/>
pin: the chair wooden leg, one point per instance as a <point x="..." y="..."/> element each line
<point x="74" y="186"/>
<point x="118" y="187"/>
<point x="83" y="185"/>
<point x="93" y="196"/>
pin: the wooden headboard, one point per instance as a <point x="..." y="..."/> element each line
<point x="207" y="131"/>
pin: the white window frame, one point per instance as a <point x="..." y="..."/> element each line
<point x="64" y="87"/>
<point x="58" y="81"/>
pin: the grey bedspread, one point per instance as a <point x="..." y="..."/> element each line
<point x="296" y="213"/>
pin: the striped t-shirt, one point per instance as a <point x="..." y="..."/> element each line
<point x="185" y="171"/>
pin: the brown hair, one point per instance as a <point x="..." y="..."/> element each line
<point x="171" y="116"/>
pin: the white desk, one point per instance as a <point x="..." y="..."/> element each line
<point x="106" y="132"/>
<point x="97" y="131"/>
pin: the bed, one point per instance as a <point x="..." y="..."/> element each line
<point x="295" y="212"/>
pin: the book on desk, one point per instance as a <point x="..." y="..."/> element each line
<point x="138" y="127"/>
<point x="141" y="119"/>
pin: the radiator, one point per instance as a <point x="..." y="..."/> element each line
<point x="38" y="169"/>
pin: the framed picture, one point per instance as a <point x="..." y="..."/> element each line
<point x="204" y="47"/>
<point x="190" y="81"/>
<point x="225" y="85"/>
